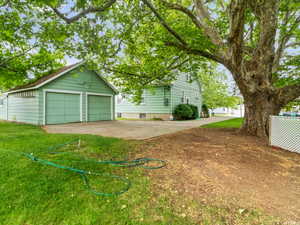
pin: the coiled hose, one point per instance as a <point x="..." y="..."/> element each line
<point x="140" y="162"/>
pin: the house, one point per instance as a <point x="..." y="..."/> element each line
<point x="161" y="100"/>
<point x="72" y="94"/>
<point x="239" y="111"/>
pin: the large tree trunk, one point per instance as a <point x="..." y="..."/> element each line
<point x="258" y="110"/>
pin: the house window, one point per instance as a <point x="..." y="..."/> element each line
<point x="166" y="95"/>
<point x="188" y="77"/>
<point x="1" y="102"/>
<point x="121" y="98"/>
<point x="183" y="96"/>
<point x="142" y="115"/>
<point x="119" y="115"/>
<point x="187" y="101"/>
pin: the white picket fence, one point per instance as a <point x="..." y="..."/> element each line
<point x="285" y="132"/>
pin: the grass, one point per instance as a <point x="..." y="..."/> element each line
<point x="232" y="123"/>
<point x="36" y="194"/>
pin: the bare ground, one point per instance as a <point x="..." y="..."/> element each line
<point x="219" y="164"/>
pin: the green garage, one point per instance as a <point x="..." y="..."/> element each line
<point x="72" y="94"/>
<point x="62" y="108"/>
<point x="96" y="110"/>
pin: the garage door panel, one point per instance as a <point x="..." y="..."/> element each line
<point x="99" y="108"/>
<point x="62" y="108"/>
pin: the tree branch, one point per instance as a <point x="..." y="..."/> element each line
<point x="195" y="51"/>
<point x="5" y="3"/>
<point x="206" y="23"/>
<point x="184" y="10"/>
<point x="164" y="23"/>
<point x="18" y="55"/>
<point x="84" y="12"/>
<point x="179" y="64"/>
<point x="236" y="30"/>
<point x="295" y="44"/>
<point x="288" y="93"/>
<point x="283" y="40"/>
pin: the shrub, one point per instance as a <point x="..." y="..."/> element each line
<point x="183" y="112"/>
<point x="195" y="111"/>
<point x="205" y="112"/>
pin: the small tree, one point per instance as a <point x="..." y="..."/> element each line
<point x="215" y="90"/>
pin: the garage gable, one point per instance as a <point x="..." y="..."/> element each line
<point x="81" y="79"/>
<point x="77" y="74"/>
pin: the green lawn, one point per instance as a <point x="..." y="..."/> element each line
<point x="232" y="123"/>
<point x="36" y="194"/>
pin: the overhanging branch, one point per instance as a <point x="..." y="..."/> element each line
<point x="164" y="23"/>
<point x="89" y="10"/>
<point x="184" y="10"/>
<point x="289" y="93"/>
<point x="207" y="23"/>
<point x="193" y="51"/>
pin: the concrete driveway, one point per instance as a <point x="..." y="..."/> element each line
<point x="130" y="129"/>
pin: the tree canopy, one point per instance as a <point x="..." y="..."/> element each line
<point x="215" y="90"/>
<point x="142" y="41"/>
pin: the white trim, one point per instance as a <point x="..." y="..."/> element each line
<point x="62" y="91"/>
<point x="7" y="107"/>
<point x="81" y="115"/>
<point x="109" y="84"/>
<point x="99" y="94"/>
<point x="45" y="91"/>
<point x="86" y="108"/>
<point x="92" y="93"/>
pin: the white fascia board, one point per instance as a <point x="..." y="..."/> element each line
<point x="109" y="84"/>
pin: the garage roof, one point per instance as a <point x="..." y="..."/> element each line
<point x="48" y="78"/>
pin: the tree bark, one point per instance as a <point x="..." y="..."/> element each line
<point x="258" y="110"/>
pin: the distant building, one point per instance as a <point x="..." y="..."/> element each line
<point x="239" y="111"/>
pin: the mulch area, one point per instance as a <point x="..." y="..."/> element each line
<point x="209" y="164"/>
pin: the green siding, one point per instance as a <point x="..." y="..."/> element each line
<point x="192" y="90"/>
<point x="154" y="102"/>
<point x="79" y="80"/>
<point x="23" y="109"/>
<point x="3" y="110"/>
<point x="99" y="108"/>
<point x="62" y="108"/>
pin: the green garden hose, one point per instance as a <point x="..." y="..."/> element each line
<point x="140" y="162"/>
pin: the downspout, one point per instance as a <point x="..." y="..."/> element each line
<point x="171" y="103"/>
<point x="7" y="107"/>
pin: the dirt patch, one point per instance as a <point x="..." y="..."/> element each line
<point x="208" y="164"/>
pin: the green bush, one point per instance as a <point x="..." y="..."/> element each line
<point x="195" y="111"/>
<point x="205" y="112"/>
<point x="183" y="112"/>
